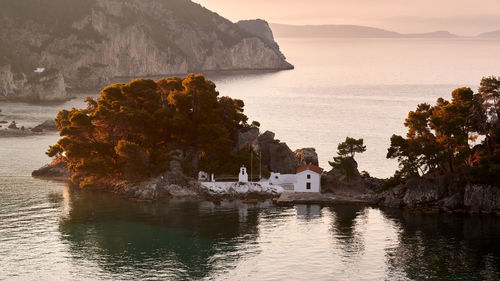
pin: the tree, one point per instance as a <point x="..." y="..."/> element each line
<point x="490" y="92"/>
<point x="345" y="162"/>
<point x="350" y="147"/>
<point x="131" y="130"/>
<point x="440" y="137"/>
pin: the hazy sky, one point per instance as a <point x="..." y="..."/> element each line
<point x="465" y="17"/>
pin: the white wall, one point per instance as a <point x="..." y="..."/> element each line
<point x="302" y="180"/>
<point x="282" y="178"/>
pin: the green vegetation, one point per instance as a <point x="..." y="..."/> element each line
<point x="133" y="131"/>
<point x="57" y="15"/>
<point x="345" y="162"/>
<point x="443" y="138"/>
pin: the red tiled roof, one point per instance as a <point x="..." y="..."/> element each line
<point x="310" y="167"/>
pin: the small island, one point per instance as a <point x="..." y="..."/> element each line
<point x="148" y="140"/>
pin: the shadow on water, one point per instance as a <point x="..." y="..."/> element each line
<point x="445" y="247"/>
<point x="177" y="237"/>
<point x="426" y="246"/>
<point x="345" y="229"/>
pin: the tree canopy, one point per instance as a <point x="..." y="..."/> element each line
<point x="132" y="130"/>
<point x="441" y="138"/>
<point x="346" y="150"/>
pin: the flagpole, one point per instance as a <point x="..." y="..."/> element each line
<point x="251" y="166"/>
<point x="260" y="166"/>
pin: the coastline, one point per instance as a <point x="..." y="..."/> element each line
<point x="176" y="185"/>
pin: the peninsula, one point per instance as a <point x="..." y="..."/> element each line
<point x="52" y="48"/>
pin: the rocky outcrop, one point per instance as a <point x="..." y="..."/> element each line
<point x="13" y="126"/>
<point x="45" y="86"/>
<point x="156" y="189"/>
<point x="246" y="138"/>
<point x="7" y="85"/>
<point x="358" y="189"/>
<point x="33" y="87"/>
<point x="306" y="156"/>
<point x="58" y="169"/>
<point x="276" y="155"/>
<point x="261" y="29"/>
<point x="482" y="198"/>
<point x="91" y="42"/>
<point x="443" y="193"/>
<point x="430" y="193"/>
<point x="237" y="190"/>
<point x="47" y="125"/>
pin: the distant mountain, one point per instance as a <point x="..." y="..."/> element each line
<point x="491" y="34"/>
<point x="347" y="31"/>
<point x="435" y="34"/>
<point x="285" y="30"/>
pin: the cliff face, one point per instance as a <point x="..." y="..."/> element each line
<point x="261" y="29"/>
<point x="46" y="86"/>
<point x="92" y="41"/>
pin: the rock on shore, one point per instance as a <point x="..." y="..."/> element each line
<point x="58" y="169"/>
<point x="443" y="193"/>
<point x="239" y="190"/>
<point x="431" y="193"/>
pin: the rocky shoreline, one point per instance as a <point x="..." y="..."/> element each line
<point x="172" y="184"/>
<point x="12" y="129"/>
<point x="444" y="194"/>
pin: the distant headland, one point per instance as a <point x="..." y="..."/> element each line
<point x="358" y="31"/>
<point x="51" y="48"/>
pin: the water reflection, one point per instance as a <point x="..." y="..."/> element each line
<point x="347" y="231"/>
<point x="308" y="212"/>
<point x="177" y="238"/>
<point x="447" y="247"/>
<point x="183" y="239"/>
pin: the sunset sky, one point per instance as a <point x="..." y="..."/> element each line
<point x="464" y="17"/>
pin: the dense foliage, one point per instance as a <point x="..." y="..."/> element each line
<point x="457" y="136"/>
<point x="346" y="151"/>
<point x="132" y="131"/>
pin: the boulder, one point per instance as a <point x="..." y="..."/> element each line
<point x="47" y="125"/>
<point x="276" y="156"/>
<point x="306" y="156"/>
<point x="282" y="159"/>
<point x="13" y="126"/>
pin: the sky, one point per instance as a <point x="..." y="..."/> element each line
<point x="463" y="17"/>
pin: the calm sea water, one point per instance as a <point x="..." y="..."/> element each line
<point x="359" y="88"/>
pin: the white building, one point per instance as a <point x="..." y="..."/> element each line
<point x="287" y="181"/>
<point x="243" y="176"/>
<point x="308" y="179"/>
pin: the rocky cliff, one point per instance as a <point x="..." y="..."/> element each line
<point x="90" y="42"/>
<point x="44" y="86"/>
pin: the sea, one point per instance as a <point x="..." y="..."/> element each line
<point x="361" y="88"/>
